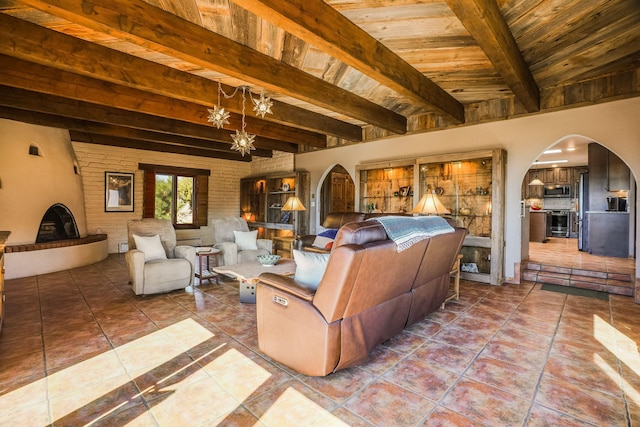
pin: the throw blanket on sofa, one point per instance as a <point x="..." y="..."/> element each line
<point x="406" y="231"/>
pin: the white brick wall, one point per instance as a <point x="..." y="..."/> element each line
<point x="224" y="186"/>
<point x="280" y="162"/>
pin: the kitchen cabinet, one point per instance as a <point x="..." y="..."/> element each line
<point x="606" y="173"/>
<point x="618" y="173"/>
<point x="262" y="198"/>
<point x="557" y="176"/>
<point x="533" y="191"/>
<point x="539" y="226"/>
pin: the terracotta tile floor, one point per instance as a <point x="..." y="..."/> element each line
<point x="78" y="348"/>
<point x="564" y="252"/>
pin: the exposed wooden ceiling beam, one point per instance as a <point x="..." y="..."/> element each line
<point x="56" y="50"/>
<point x="115" y="141"/>
<point x="75" y="125"/>
<point x="23" y="99"/>
<point x="327" y="29"/>
<point x="96" y="128"/>
<point x="152" y="27"/>
<point x="482" y="18"/>
<point x="39" y="78"/>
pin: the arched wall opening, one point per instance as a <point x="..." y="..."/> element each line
<point x="336" y="192"/>
<point x="613" y="226"/>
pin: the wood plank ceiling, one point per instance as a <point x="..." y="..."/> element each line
<point x="143" y="73"/>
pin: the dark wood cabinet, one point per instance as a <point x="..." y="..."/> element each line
<point x="262" y="198"/>
<point x="533" y="191"/>
<point x="550" y="176"/>
<point x="557" y="176"/>
<point x="563" y="176"/>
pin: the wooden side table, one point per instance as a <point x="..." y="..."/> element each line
<point x="455" y="272"/>
<point x="283" y="243"/>
<point x="205" y="272"/>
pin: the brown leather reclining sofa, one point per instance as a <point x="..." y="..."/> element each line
<point x="336" y="220"/>
<point x="368" y="294"/>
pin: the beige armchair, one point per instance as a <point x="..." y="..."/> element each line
<point x="157" y="264"/>
<point x="233" y="251"/>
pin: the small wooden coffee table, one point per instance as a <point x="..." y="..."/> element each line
<point x="247" y="273"/>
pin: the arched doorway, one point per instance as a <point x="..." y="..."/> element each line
<point x="337" y="193"/>
<point x="581" y="201"/>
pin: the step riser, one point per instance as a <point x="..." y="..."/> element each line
<point x="591" y="282"/>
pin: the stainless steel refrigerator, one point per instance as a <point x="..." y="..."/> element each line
<point x="583" y="207"/>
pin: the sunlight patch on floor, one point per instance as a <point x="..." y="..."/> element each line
<point x="604" y="332"/>
<point x="292" y="407"/>
<point x="89" y="381"/>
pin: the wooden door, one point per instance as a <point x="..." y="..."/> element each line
<point x="342" y="193"/>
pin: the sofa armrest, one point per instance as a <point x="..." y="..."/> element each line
<point x="135" y="265"/>
<point x="265" y="244"/>
<point x="188" y="253"/>
<point x="306" y="240"/>
<point x="287" y="284"/>
<point x="229" y="252"/>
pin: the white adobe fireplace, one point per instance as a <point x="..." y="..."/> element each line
<point x="42" y="202"/>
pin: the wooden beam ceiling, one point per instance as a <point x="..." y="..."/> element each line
<point x="114" y="141"/>
<point x="151" y="27"/>
<point x="58" y="106"/>
<point x="327" y="29"/>
<point x="82" y="129"/>
<point x="60" y="51"/>
<point x="38" y="78"/>
<point x="483" y="19"/>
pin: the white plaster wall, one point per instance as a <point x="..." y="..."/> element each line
<point x="615" y="125"/>
<point x="29" y="185"/>
<point x="31" y="263"/>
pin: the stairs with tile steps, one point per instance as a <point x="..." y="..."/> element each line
<point x="613" y="283"/>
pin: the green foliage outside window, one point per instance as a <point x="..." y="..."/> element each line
<point x="164" y="196"/>
<point x="181" y="204"/>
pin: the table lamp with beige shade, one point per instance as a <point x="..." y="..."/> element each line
<point x="429" y="204"/>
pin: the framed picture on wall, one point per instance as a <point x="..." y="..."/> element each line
<point x="118" y="189"/>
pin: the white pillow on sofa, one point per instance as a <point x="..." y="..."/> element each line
<point x="310" y="267"/>
<point x="246" y="240"/>
<point x="151" y="246"/>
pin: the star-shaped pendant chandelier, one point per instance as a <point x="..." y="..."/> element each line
<point x="262" y="106"/>
<point x="218" y="116"/>
<point x="242" y="141"/>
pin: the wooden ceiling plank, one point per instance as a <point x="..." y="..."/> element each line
<point x="151" y="27"/>
<point x="31" y="42"/>
<point x="482" y="18"/>
<point x="55" y="105"/>
<point x="324" y="27"/>
<point x="39" y="78"/>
